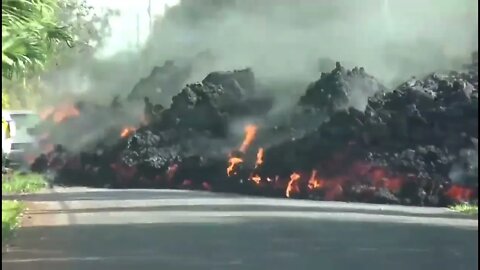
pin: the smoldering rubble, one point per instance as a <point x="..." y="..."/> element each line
<point x="416" y="144"/>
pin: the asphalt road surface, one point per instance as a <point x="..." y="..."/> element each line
<point x="93" y="229"/>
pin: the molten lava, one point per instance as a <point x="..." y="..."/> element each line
<point x="127" y="131"/>
<point x="60" y="113"/>
<point x="256" y="178"/>
<point x="233" y="163"/>
<point x="356" y="164"/>
<point x="460" y="194"/>
<point x="293" y="185"/>
<point x="259" y="158"/>
<point x="314" y="182"/>
<point x="250" y="133"/>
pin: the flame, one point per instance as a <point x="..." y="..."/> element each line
<point x="293" y="185"/>
<point x="314" y="182"/>
<point x="127" y="131"/>
<point x="256" y="178"/>
<point x="233" y="161"/>
<point x="60" y="113"/>
<point x="459" y="194"/>
<point x="250" y="132"/>
<point x="259" y="158"/>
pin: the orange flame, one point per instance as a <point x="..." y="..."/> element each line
<point x="459" y="194"/>
<point x="292" y="185"/>
<point x="127" y="131"/>
<point x="233" y="162"/>
<point x="250" y="132"/>
<point x="259" y="157"/>
<point x="60" y="113"/>
<point x="314" y="182"/>
<point x="256" y="178"/>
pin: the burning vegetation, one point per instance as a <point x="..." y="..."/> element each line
<point x="414" y="145"/>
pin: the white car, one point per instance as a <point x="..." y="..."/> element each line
<point x="20" y="141"/>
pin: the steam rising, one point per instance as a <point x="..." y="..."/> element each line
<point x="283" y="40"/>
<point x="392" y="39"/>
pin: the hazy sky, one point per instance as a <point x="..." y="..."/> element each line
<point x="124" y="27"/>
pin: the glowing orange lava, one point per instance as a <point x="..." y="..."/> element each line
<point x="127" y="131"/>
<point x="256" y="178"/>
<point x="250" y="133"/>
<point x="259" y="158"/>
<point x="60" y="113"/>
<point x="233" y="162"/>
<point x="293" y="185"/>
<point x="314" y="182"/>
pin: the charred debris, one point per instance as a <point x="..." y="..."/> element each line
<point x="415" y="145"/>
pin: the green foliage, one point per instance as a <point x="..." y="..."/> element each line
<point x="11" y="211"/>
<point x="5" y="100"/>
<point x="30" y="29"/>
<point x="30" y="57"/>
<point x="17" y="183"/>
<point x="88" y="29"/>
<point x="22" y="93"/>
<point x="466" y="208"/>
<point x="22" y="183"/>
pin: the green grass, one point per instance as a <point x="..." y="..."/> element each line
<point x="466" y="208"/>
<point x="22" y="183"/>
<point x="11" y="211"/>
<point x="17" y="183"/>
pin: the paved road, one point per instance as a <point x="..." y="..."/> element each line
<point x="93" y="229"/>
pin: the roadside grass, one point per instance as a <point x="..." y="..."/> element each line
<point x="17" y="183"/>
<point x="466" y="208"/>
<point x="11" y="211"/>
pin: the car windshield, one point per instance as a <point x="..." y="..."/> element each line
<point x="24" y="121"/>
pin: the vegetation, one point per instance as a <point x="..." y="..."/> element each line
<point x="466" y="208"/>
<point x="41" y="37"/>
<point x="11" y="209"/>
<point x="30" y="31"/>
<point x="22" y="183"/>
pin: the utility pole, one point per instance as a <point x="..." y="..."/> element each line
<point x="138" y="30"/>
<point x="150" y="16"/>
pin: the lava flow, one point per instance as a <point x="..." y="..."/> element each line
<point x="236" y="161"/>
<point x="414" y="145"/>
<point x="127" y="131"/>
<point x="60" y="113"/>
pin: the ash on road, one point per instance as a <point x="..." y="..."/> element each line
<point x="80" y="228"/>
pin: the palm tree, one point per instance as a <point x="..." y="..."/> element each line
<point x="30" y="29"/>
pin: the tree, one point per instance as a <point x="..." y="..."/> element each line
<point x="89" y="30"/>
<point x="83" y="28"/>
<point x="30" y="31"/>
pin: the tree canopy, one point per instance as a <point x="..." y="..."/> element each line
<point x="30" y="31"/>
<point x="43" y="40"/>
